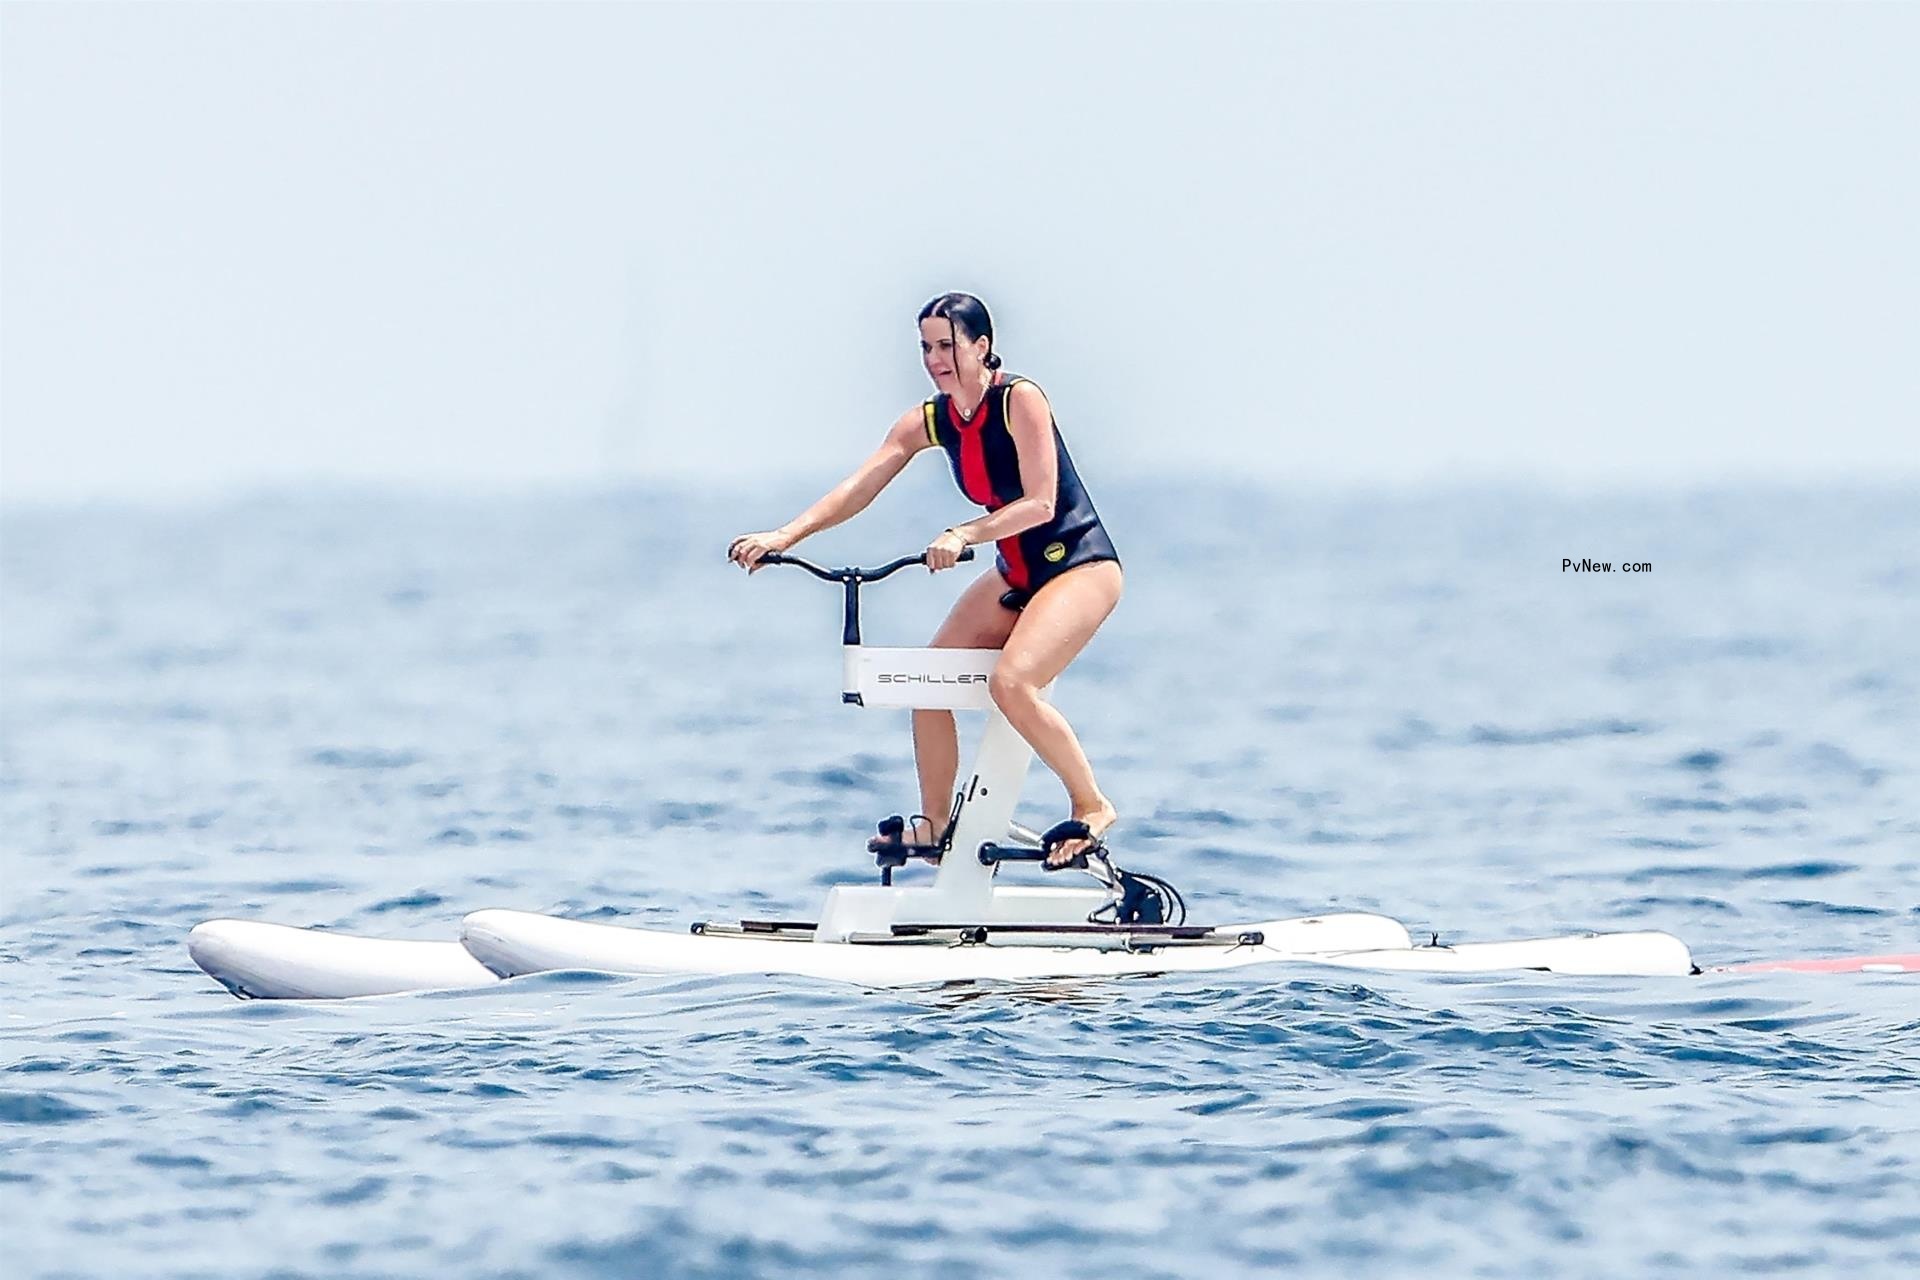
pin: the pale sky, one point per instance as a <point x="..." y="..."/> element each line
<point x="487" y="246"/>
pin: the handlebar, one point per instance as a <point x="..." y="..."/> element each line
<point x="851" y="580"/>
<point x="850" y="574"/>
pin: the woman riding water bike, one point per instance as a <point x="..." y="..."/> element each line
<point x="1055" y="579"/>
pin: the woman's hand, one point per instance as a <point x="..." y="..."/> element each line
<point x="944" y="551"/>
<point x="748" y="548"/>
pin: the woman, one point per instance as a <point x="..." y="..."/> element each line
<point x="1054" y="582"/>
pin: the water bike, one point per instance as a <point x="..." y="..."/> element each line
<point x="975" y="920"/>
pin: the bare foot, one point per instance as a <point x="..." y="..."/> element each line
<point x="1098" y="817"/>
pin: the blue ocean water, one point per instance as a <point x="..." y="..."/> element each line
<point x="376" y="712"/>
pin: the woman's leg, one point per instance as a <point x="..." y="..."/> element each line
<point x="977" y="621"/>
<point x="1051" y="631"/>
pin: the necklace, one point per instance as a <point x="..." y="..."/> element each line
<point x="968" y="414"/>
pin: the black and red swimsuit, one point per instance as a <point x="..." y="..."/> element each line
<point x="986" y="465"/>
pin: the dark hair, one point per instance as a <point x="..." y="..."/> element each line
<point x="964" y="313"/>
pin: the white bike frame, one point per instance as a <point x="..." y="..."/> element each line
<point x="963" y="889"/>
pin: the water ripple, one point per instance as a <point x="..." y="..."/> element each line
<point x="374" y="713"/>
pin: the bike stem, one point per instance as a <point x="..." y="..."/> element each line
<point x="851" y="580"/>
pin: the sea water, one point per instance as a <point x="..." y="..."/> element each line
<point x="375" y="712"/>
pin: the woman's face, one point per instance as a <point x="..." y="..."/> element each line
<point x="951" y="367"/>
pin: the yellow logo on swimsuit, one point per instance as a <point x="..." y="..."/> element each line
<point x="1055" y="552"/>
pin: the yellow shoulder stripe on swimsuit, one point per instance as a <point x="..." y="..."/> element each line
<point x="933" y="436"/>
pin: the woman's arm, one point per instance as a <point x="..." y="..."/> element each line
<point x="851" y="496"/>
<point x="847" y="499"/>
<point x="1030" y="422"/>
